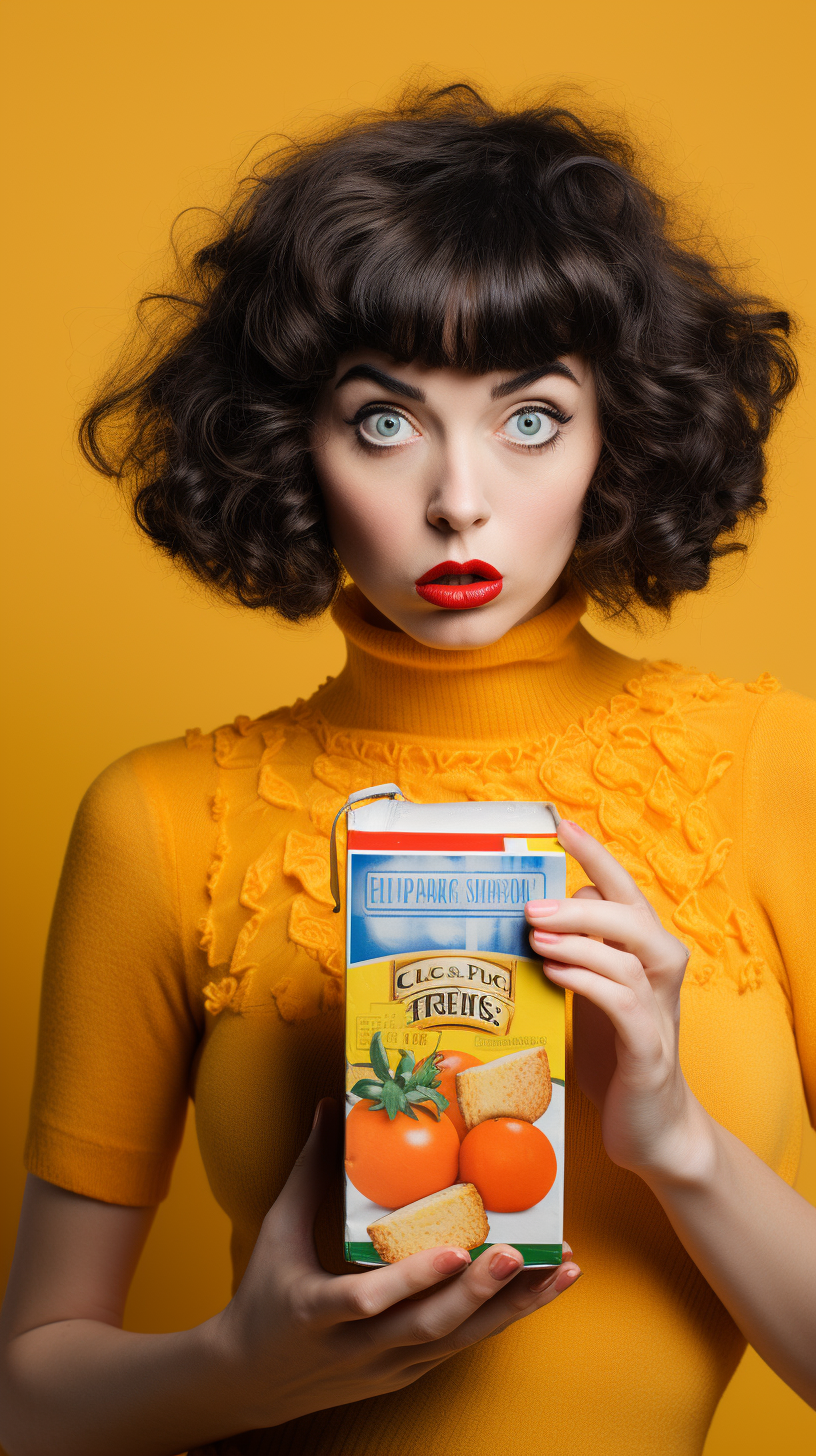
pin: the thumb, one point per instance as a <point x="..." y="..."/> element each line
<point x="294" y="1210"/>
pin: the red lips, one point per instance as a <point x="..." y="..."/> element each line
<point x="460" y="596"/>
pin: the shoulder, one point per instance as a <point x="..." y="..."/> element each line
<point x="780" y="772"/>
<point x="181" y="804"/>
<point x="747" y="746"/>
<point x="734" y="714"/>
<point x="152" y="786"/>
<point x="784" y="727"/>
<point x="717" y="737"/>
<point x="177" y="776"/>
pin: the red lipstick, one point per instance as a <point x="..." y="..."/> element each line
<point x="460" y="592"/>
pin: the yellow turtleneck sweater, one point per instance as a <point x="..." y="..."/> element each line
<point x="194" y="952"/>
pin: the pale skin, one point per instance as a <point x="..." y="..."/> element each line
<point x="455" y="482"/>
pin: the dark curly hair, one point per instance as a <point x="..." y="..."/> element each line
<point x="448" y="231"/>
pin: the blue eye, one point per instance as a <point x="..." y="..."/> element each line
<point x="385" y="427"/>
<point x="533" y="425"/>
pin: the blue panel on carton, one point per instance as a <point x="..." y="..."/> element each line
<point x="464" y="901"/>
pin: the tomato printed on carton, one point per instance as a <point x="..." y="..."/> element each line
<point x="454" y="1127"/>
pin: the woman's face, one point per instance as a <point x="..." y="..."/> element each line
<point x="454" y="499"/>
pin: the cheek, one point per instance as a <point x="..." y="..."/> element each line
<point x="366" y="526"/>
<point x="568" y="487"/>
<point x="549" y="512"/>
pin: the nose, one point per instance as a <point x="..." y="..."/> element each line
<point x="457" y="500"/>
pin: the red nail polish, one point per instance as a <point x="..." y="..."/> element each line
<point x="450" y="1260"/>
<point x="502" y="1266"/>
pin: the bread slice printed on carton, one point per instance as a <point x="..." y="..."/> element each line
<point x="518" y="1085"/>
<point x="455" y="1215"/>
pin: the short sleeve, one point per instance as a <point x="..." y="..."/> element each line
<point x="780" y="806"/>
<point x="117" y="1034"/>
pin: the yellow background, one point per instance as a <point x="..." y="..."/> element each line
<point x="116" y="118"/>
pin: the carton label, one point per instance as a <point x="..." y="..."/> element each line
<point x="456" y="991"/>
<point x="443" y="1146"/>
<point x="478" y="894"/>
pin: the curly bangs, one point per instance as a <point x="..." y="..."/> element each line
<point x="453" y="233"/>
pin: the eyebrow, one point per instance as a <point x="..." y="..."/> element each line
<point x="522" y="380"/>
<point x="410" y="391"/>
<point x="367" y="371"/>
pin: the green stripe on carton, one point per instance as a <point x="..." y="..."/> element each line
<point x="533" y="1254"/>
<point x="362" y="1254"/>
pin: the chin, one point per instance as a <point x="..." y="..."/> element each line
<point x="452" y="631"/>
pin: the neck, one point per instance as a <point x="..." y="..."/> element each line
<point x="538" y="678"/>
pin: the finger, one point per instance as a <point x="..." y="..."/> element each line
<point x="362" y="1296"/>
<point x="603" y="869"/>
<point x="521" y="1298"/>
<point x="627" y="925"/>
<point x="292" y="1215"/>
<point x="634" y="1021"/>
<point x="594" y="955"/>
<point x="432" y="1318"/>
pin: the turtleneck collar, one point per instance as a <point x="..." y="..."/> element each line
<point x="538" y="678"/>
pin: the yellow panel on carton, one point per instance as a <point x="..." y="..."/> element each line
<point x="533" y="1013"/>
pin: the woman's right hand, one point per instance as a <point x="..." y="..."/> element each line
<point x="297" y="1339"/>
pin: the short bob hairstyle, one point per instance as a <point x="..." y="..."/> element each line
<point x="451" y="232"/>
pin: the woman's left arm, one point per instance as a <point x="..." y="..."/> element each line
<point x="752" y="1237"/>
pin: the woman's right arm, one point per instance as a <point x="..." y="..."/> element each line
<point x="293" y="1339"/>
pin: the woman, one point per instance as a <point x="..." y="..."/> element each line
<point x="442" y="347"/>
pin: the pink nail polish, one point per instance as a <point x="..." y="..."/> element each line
<point x="545" y="937"/>
<point x="542" y="907"/>
<point x="502" y="1266"/>
<point x="450" y="1260"/>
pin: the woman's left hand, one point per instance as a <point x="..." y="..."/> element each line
<point x="727" y="1207"/>
<point x="608" y="946"/>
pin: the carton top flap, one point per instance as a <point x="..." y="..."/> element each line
<point x="503" y="816"/>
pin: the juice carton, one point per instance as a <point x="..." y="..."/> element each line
<point x="454" y="1127"/>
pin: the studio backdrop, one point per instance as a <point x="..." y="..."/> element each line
<point x="117" y="119"/>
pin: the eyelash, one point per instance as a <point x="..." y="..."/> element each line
<point x="374" y="408"/>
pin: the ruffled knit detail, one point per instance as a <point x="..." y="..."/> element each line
<point x="636" y="773"/>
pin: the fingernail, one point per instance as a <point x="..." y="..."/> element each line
<point x="543" y="937"/>
<point x="571" y="824"/>
<point x="542" y="907"/>
<point x="318" y="1111"/>
<point x="566" y="1250"/>
<point x="450" y="1260"/>
<point x="572" y="1275"/>
<point x="502" y="1266"/>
